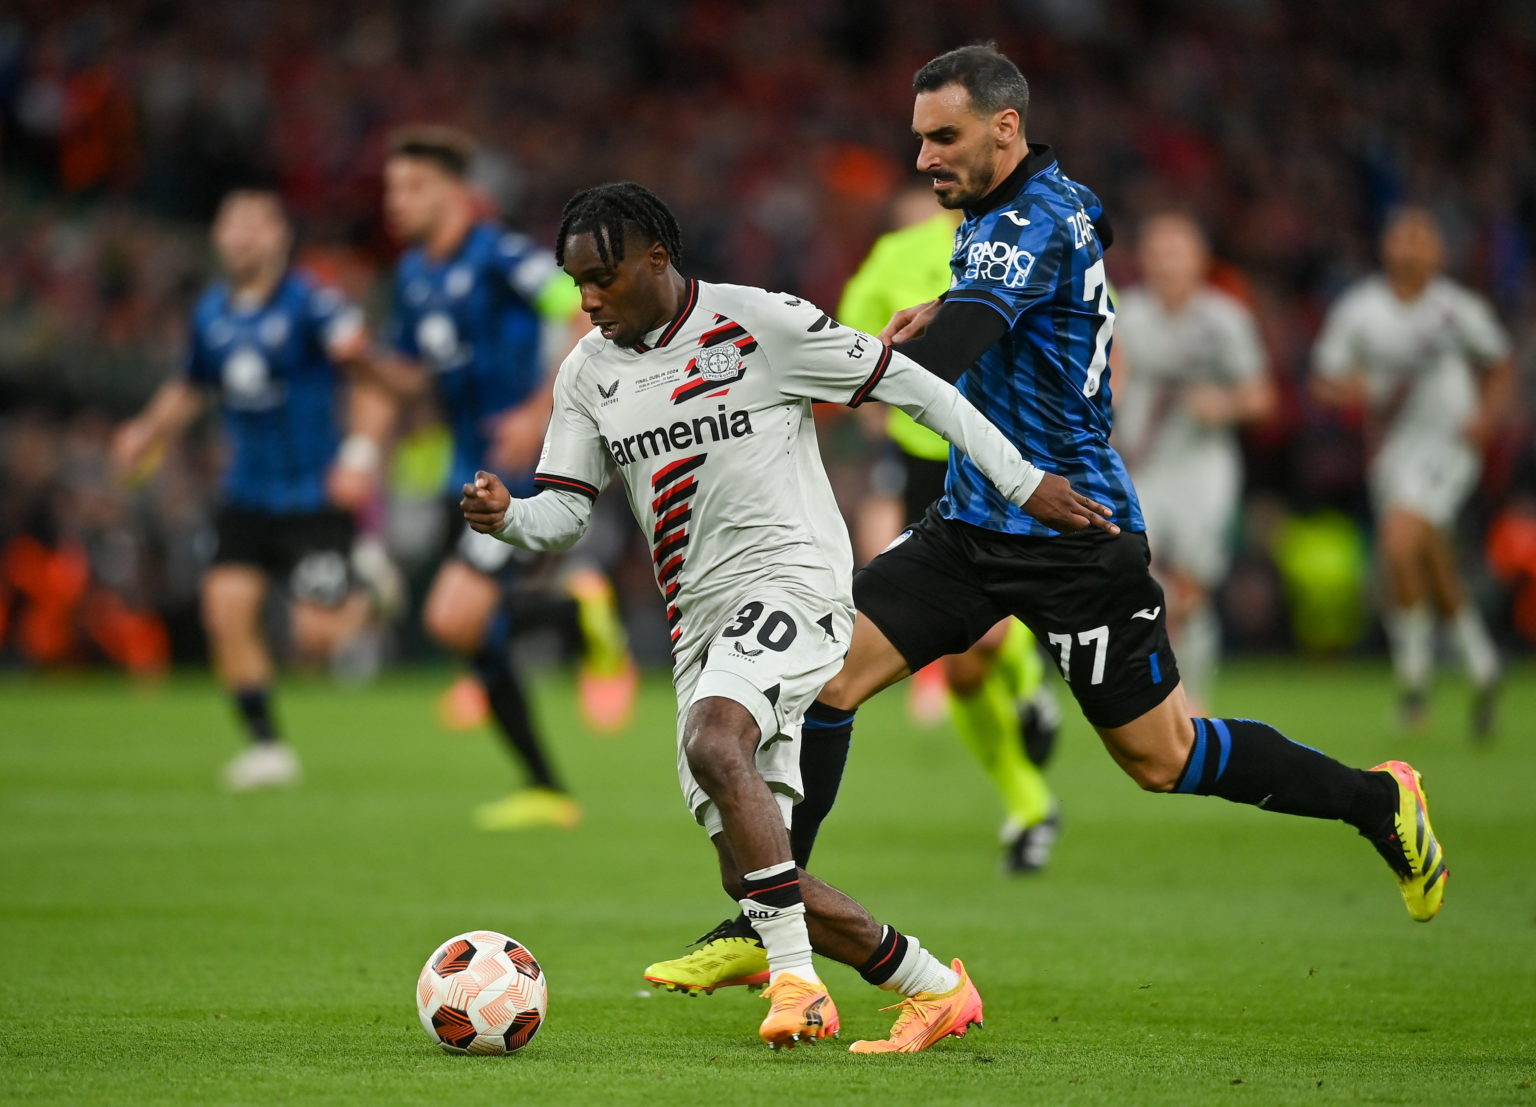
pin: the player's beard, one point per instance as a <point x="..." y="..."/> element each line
<point x="970" y="182"/>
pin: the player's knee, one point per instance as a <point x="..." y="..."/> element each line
<point x="450" y="629"/>
<point x="840" y="693"/>
<point x="719" y="754"/>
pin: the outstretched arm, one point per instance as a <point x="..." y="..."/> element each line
<point x="942" y="409"/>
<point x="552" y="520"/>
<point x="174" y="406"/>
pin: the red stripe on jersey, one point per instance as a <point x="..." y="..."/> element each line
<point x="674" y="496"/>
<point x="670" y="545"/>
<point x="670" y="569"/>
<point x="676" y="517"/>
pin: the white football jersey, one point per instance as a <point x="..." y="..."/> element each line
<point x="708" y="424"/>
<point x="1211" y="340"/>
<point x="1417" y="356"/>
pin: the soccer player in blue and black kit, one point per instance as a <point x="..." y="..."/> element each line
<point x="271" y="347"/>
<point x="471" y="308"/>
<point x="1025" y="329"/>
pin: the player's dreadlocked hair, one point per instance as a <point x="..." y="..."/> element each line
<point x="605" y="209"/>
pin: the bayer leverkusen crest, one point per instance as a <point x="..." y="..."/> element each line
<point x="720" y="364"/>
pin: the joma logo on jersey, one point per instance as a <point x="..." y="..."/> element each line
<point x="681" y="435"/>
<point x="999" y="262"/>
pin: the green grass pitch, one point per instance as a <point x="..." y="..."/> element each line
<point x="164" y="942"/>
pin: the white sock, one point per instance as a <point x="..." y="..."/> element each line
<point x="1478" y="652"/>
<point x="1411" y="633"/>
<point x="782" y="929"/>
<point x="1198" y="647"/>
<point x="920" y="971"/>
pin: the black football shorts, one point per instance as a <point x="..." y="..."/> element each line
<point x="1089" y="597"/>
<point x="310" y="554"/>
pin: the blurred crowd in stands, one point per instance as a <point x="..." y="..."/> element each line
<point x="779" y="132"/>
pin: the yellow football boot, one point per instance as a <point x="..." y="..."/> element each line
<point x="1410" y="848"/>
<point x="531" y="807"/>
<point x="729" y="955"/>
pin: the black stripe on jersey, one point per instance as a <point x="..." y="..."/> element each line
<point x="564" y="484"/>
<point x="669" y="546"/>
<point x="695" y="388"/>
<point x="747" y="345"/>
<point x="868" y="386"/>
<point x="670" y="499"/>
<point x="679" y="468"/>
<point x="670" y="570"/>
<point x="674" y="518"/>
<point x="1009" y="312"/>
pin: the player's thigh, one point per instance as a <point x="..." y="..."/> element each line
<point x="772" y="657"/>
<point x="967" y="671"/>
<point x="1189" y="517"/>
<point x="459" y="606"/>
<point x="232" y="595"/>
<point x="917" y="601"/>
<point x="1091" y="599"/>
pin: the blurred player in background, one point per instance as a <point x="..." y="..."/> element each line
<point x="270" y="346"/>
<point x="1196" y="374"/>
<point x="1431" y="363"/>
<point x="474" y="305"/>
<point x="998" y="699"/>
<point x="697" y="397"/>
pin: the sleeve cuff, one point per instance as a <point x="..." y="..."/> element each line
<point x="565" y="484"/>
<point x="873" y="380"/>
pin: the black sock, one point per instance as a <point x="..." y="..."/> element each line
<point x="887" y="957"/>
<point x="256" y="712"/>
<point x="510" y="707"/>
<point x="824" y="741"/>
<point x="1246" y="761"/>
<point x="780" y="891"/>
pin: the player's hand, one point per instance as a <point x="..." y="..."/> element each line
<point x="1211" y="406"/>
<point x="1060" y="507"/>
<point x="132" y="449"/>
<point x="349" y="488"/>
<point x="485" y="502"/>
<point x="909" y="322"/>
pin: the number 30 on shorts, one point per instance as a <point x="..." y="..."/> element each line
<point x="777" y="632"/>
<point x="1098" y="638"/>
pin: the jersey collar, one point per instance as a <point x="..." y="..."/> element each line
<point x="1040" y="158"/>
<point x="657" y="339"/>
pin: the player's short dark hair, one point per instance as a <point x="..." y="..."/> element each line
<point x="448" y="148"/>
<point x="607" y="211"/>
<point x="257" y="191"/>
<point x="984" y="71"/>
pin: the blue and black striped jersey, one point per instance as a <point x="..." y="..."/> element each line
<point x="278" y="387"/>
<point x="471" y="319"/>
<point x="1032" y="253"/>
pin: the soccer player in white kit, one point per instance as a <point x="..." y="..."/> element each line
<point x="1431" y="363"/>
<point x="698" y="397"/>
<point x="1194" y="372"/>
